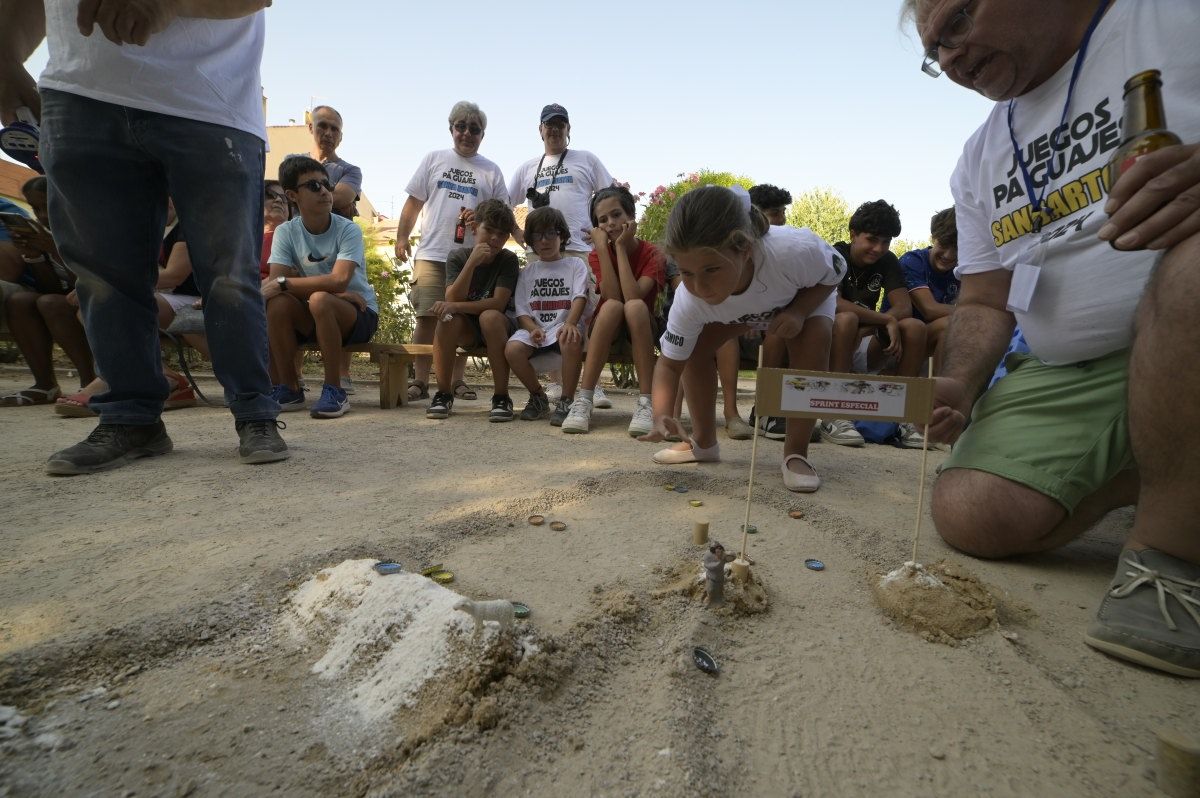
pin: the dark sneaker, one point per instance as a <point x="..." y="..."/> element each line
<point x="774" y="427"/>
<point x="260" y="441"/>
<point x="440" y="405"/>
<point x="110" y="446"/>
<point x="502" y="409"/>
<point x="1151" y="613"/>
<point x="537" y="407"/>
<point x="561" y="408"/>
<point x="288" y="399"/>
<point x="333" y="403"/>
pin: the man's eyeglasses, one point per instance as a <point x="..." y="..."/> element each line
<point x="463" y="127"/>
<point x="953" y="35"/>
<point x="275" y="195"/>
<point x="315" y="186"/>
<point x="544" y="235"/>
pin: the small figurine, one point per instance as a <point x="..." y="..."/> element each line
<point x="714" y="575"/>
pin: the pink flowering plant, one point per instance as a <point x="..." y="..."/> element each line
<point x="653" y="224"/>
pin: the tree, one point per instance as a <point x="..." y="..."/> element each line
<point x="903" y="245"/>
<point x="396" y="317"/>
<point x="824" y="211"/>
<point x="653" y="224"/>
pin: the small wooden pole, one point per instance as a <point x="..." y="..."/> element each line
<point x="921" y="488"/>
<point x="753" y="460"/>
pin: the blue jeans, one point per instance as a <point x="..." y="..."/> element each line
<point x="111" y="169"/>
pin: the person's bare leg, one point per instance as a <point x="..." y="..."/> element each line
<point x="285" y="315"/>
<point x="728" y="359"/>
<point x="935" y="334"/>
<point x="517" y="354"/>
<point x="423" y="334"/>
<point x="607" y="323"/>
<point x="1164" y="406"/>
<point x="572" y="357"/>
<point x="912" y="344"/>
<point x="989" y="516"/>
<point x="446" y="338"/>
<point x="494" y="327"/>
<point x="641" y="341"/>
<point x="700" y="382"/>
<point x="808" y="351"/>
<point x="33" y="338"/>
<point x="63" y="323"/>
<point x="333" y="319"/>
<point x="844" y="342"/>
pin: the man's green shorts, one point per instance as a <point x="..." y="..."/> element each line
<point x="1061" y="430"/>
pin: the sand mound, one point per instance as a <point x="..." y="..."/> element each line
<point x="686" y="578"/>
<point x="942" y="602"/>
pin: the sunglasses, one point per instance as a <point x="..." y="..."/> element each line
<point x="315" y="186"/>
<point x="544" y="235"/>
<point x="275" y="195"/>
<point x="463" y="127"/>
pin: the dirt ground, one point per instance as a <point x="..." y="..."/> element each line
<point x="143" y="649"/>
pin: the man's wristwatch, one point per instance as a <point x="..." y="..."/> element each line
<point x="282" y="283"/>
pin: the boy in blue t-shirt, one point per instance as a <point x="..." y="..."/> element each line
<point x="932" y="286"/>
<point x="317" y="288"/>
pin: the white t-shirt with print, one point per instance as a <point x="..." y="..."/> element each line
<point x="545" y="291"/>
<point x="447" y="182"/>
<point x="1084" y="301"/>
<point x="580" y="176"/>
<point x="786" y="260"/>
<point x="201" y="69"/>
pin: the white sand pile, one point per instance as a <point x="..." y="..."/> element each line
<point x="387" y="636"/>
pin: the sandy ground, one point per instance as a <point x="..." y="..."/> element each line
<point x="140" y="630"/>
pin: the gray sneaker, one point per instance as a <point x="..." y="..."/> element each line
<point x="110" y="446"/>
<point x="840" y="431"/>
<point x="537" y="407"/>
<point x="260" y="441"/>
<point x="910" y="437"/>
<point x="561" y="408"/>
<point x="1151" y="613"/>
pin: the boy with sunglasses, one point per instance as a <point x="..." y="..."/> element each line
<point x="317" y="288"/>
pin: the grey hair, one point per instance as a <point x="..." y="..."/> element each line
<point x="464" y="110"/>
<point x="909" y="9"/>
<point x="329" y="108"/>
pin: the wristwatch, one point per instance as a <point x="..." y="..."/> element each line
<point x="282" y="283"/>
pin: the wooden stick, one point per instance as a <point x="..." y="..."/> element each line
<point x="921" y="489"/>
<point x="753" y="458"/>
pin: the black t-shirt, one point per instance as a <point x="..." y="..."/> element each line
<point x="502" y="272"/>
<point x="188" y="287"/>
<point x="862" y="284"/>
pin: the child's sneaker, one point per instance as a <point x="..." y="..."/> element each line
<point x="288" y="399"/>
<point x="600" y="399"/>
<point x="643" y="418"/>
<point x="537" y="407"/>
<point x="561" y="408"/>
<point x="333" y="403"/>
<point x="440" y="405"/>
<point x="502" y="409"/>
<point x="554" y="391"/>
<point x="579" y="418"/>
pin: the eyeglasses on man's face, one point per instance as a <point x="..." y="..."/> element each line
<point x="277" y="196"/>
<point x="463" y="127"/>
<point x="953" y="35"/>
<point x="315" y="186"/>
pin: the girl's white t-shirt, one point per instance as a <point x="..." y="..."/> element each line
<point x="786" y="261"/>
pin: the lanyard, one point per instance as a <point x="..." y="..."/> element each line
<point x="1035" y="199"/>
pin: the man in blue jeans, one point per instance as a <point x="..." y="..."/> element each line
<point x="141" y="100"/>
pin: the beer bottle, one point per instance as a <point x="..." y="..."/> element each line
<point x="460" y="229"/>
<point x="1144" y="127"/>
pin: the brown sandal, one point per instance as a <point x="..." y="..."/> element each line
<point x="464" y="391"/>
<point x="417" y="390"/>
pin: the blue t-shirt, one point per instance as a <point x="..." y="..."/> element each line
<point x="919" y="273"/>
<point x="311" y="254"/>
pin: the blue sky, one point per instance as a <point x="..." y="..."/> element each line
<point x="799" y="94"/>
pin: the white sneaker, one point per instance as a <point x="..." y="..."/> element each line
<point x="579" y="417"/>
<point x="911" y="437"/>
<point x="841" y="432"/>
<point x="600" y="400"/>
<point x="643" y="418"/>
<point x="553" y="392"/>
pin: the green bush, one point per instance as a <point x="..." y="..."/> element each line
<point x="396" y="316"/>
<point x="653" y="224"/>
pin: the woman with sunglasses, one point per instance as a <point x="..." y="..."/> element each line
<point x="448" y="185"/>
<point x="276" y="211"/>
<point x="564" y="179"/>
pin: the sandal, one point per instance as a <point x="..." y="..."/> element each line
<point x="74" y="406"/>
<point x="694" y="454"/>
<point x="417" y="390"/>
<point x="30" y="396"/>
<point x="464" y="391"/>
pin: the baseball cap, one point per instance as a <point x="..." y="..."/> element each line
<point x="552" y="110"/>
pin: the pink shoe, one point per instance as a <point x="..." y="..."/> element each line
<point x="695" y="454"/>
<point x="800" y="483"/>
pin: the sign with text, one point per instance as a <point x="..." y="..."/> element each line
<point x="823" y="394"/>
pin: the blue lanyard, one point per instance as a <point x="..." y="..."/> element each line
<point x="1035" y="199"/>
